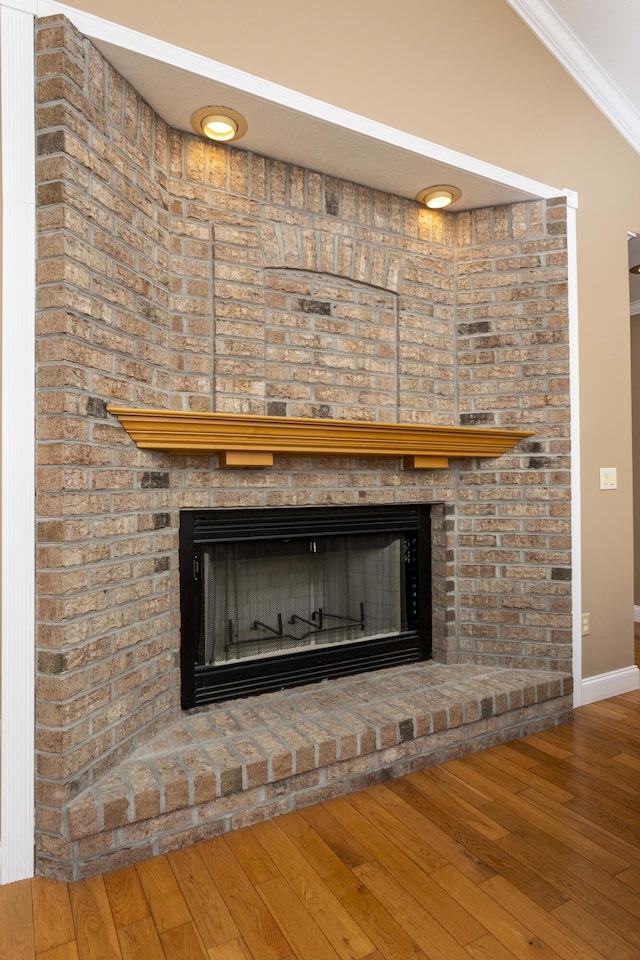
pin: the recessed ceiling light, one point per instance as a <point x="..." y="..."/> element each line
<point x="219" y="123"/>
<point x="439" y="196"/>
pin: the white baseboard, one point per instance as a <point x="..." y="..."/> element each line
<point x="636" y="614"/>
<point x="610" y="684"/>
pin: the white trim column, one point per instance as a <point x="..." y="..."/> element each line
<point x="17" y="747"/>
<point x="574" y="399"/>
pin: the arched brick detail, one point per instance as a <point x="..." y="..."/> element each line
<point x="338" y="252"/>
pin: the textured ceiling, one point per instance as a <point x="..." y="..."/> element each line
<point x="610" y="31"/>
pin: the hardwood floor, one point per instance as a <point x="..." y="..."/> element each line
<point x="529" y="850"/>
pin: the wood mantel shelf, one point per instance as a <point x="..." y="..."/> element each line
<point x="244" y="440"/>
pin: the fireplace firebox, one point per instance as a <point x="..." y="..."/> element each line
<point x="274" y="598"/>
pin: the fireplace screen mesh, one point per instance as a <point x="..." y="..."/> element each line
<point x="268" y="597"/>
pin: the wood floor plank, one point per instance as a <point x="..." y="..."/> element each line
<point x="16" y="922"/>
<point x="566" y="943"/>
<point x="475" y="798"/>
<point x="631" y="877"/>
<point x="139" y="940"/>
<point x="570" y="833"/>
<point x="312" y="845"/>
<point x="168" y="907"/>
<point x="344" y="934"/>
<point x="573" y="738"/>
<point x="492" y="765"/>
<point x="510" y="932"/>
<point x="126" y="896"/>
<point x="95" y="931"/>
<point x="561" y="866"/>
<point x="579" y="891"/>
<point x="586" y="925"/>
<point x="607" y="769"/>
<point x="533" y="746"/>
<point x="183" y="943"/>
<point x="295" y="922"/>
<point x="416" y="807"/>
<point x="393" y="942"/>
<point x="252" y="857"/>
<point x="383" y="850"/>
<point x="610" y="709"/>
<point x="256" y="925"/>
<point x="616" y="825"/>
<point x="231" y="950"/>
<point x="422" y="927"/>
<point x="595" y="786"/>
<point x="526" y="749"/>
<point x="463" y="811"/>
<point x="583" y="741"/>
<point x="381" y="928"/>
<point x="510" y="776"/>
<point x="409" y="842"/>
<point x="625" y="760"/>
<point x="492" y="854"/>
<point x="52" y="919"/>
<point x="488" y="948"/>
<point x="66" y="951"/>
<point x="600" y="846"/>
<point x="208" y="909"/>
<point x="612" y="713"/>
<point x="341" y="842"/>
<point x="617" y="733"/>
<point x="504" y="750"/>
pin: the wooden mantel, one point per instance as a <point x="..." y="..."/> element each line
<point x="245" y="440"/>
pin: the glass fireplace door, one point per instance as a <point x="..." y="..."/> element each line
<point x="271" y="598"/>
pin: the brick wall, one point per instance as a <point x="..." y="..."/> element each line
<point x="514" y="574"/>
<point x="182" y="274"/>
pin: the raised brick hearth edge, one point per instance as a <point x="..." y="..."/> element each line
<point x="241" y="762"/>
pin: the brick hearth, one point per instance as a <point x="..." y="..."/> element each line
<point x="240" y="762"/>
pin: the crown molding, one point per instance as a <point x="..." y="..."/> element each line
<point x="568" y="50"/>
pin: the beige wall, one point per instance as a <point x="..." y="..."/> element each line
<point x="469" y="75"/>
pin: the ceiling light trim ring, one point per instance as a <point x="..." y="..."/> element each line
<point x="237" y="122"/>
<point x="445" y="192"/>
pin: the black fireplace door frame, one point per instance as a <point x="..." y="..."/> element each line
<point x="204" y="683"/>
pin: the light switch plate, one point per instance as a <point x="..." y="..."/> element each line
<point x="608" y="478"/>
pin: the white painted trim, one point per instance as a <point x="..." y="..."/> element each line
<point x="635" y="307"/>
<point x="568" y="50"/>
<point x="636" y="614"/>
<point x="610" y="684"/>
<point x="17" y="750"/>
<point x="99" y="29"/>
<point x="25" y="6"/>
<point x="576" y="495"/>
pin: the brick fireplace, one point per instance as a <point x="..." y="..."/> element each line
<point x="182" y="275"/>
